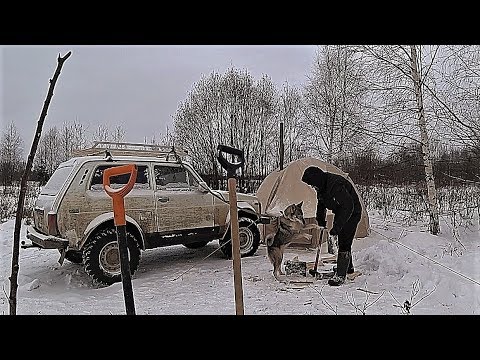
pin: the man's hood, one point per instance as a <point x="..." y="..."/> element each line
<point x="314" y="176"/>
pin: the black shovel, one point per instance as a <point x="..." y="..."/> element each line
<point x="117" y="196"/>
<point x="231" y="168"/>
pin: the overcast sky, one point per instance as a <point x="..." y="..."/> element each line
<point x="137" y="87"/>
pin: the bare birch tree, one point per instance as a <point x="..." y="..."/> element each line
<point x="398" y="106"/>
<point x="48" y="155"/>
<point x="101" y="133"/>
<point x="457" y="95"/>
<point x="332" y="102"/>
<point x="422" y="125"/>
<point x="72" y="136"/>
<point x="167" y="139"/>
<point x="118" y="134"/>
<point x="11" y="153"/>
<point x="291" y="114"/>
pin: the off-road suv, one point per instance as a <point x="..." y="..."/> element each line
<point x="169" y="204"/>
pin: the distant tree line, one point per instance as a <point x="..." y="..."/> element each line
<point x="404" y="167"/>
<point x="56" y="145"/>
<point x="387" y="114"/>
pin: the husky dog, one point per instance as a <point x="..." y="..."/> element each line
<point x="290" y="227"/>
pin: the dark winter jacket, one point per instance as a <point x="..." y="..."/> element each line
<point x="336" y="193"/>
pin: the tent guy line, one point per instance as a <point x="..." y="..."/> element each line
<point x="206" y="257"/>
<point x="426" y="257"/>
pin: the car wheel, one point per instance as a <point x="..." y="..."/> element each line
<point x="101" y="257"/>
<point x="74" y="256"/>
<point x="196" y="245"/>
<point x="249" y="237"/>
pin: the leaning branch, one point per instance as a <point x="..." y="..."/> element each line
<point x="23" y="187"/>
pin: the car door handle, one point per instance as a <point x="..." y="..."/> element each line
<point x="163" y="199"/>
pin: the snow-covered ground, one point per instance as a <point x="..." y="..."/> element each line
<point x="400" y="265"/>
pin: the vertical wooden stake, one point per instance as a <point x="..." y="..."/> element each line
<point x="282" y="150"/>
<point x="237" y="266"/>
<point x="231" y="167"/>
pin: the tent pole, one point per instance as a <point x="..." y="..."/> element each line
<point x="281" y="145"/>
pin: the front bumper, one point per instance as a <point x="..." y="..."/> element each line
<point x="46" y="241"/>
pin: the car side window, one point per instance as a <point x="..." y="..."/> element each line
<point x="116" y="182"/>
<point x="173" y="177"/>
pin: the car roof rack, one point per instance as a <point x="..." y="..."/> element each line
<point x="111" y="148"/>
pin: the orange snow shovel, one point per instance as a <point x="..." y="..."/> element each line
<point x="117" y="196"/>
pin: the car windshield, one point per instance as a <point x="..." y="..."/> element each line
<point x="56" y="181"/>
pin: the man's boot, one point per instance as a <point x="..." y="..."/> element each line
<point x="343" y="260"/>
<point x="350" y="269"/>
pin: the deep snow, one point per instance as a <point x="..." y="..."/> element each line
<point x="437" y="275"/>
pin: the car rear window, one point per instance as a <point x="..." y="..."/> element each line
<point x="173" y="177"/>
<point x="116" y="182"/>
<point x="56" y="181"/>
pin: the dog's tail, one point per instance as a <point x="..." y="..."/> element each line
<point x="269" y="238"/>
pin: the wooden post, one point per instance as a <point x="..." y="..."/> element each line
<point x="281" y="145"/>
<point x="237" y="265"/>
<point x="231" y="168"/>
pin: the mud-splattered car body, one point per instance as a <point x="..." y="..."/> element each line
<point x="169" y="204"/>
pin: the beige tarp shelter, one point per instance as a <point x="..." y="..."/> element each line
<point x="284" y="187"/>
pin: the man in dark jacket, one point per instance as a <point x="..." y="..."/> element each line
<point x="336" y="193"/>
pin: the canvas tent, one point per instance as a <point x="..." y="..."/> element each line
<point x="284" y="187"/>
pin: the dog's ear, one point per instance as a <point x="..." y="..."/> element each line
<point x="300" y="204"/>
<point x="288" y="209"/>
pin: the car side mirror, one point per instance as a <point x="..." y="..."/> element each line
<point x="203" y="187"/>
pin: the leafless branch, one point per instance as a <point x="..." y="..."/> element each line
<point x="430" y="65"/>
<point x="454" y="233"/>
<point x="366" y="304"/>
<point x="425" y="296"/>
<point x="384" y="59"/>
<point x="23" y="186"/>
<point x="327" y="304"/>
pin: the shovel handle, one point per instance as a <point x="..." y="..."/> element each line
<point x="231" y="167"/>
<point x="117" y="195"/>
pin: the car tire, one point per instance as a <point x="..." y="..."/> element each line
<point x="249" y="236"/>
<point x="101" y="257"/>
<point x="74" y="256"/>
<point x="196" y="245"/>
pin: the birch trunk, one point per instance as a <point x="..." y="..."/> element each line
<point x="422" y="124"/>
